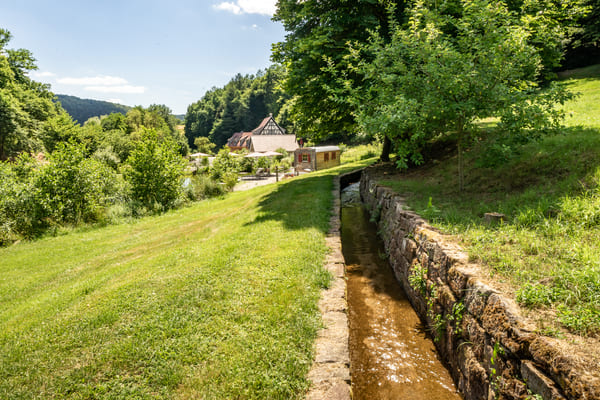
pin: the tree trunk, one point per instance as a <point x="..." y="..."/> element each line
<point x="461" y="173"/>
<point x="461" y="184"/>
<point x="385" y="151"/>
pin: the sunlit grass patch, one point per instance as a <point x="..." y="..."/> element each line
<point x="216" y="300"/>
<point x="352" y="154"/>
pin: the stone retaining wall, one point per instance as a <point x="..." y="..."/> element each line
<point x="490" y="351"/>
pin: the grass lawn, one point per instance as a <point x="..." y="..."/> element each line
<point x="214" y="301"/>
<point x="547" y="251"/>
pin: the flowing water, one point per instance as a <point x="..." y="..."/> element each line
<point x="391" y="355"/>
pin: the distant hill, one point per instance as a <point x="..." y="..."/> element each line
<point x="83" y="109"/>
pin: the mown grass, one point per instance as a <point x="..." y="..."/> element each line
<point x="360" y="152"/>
<point x="547" y="248"/>
<point x="214" y="301"/>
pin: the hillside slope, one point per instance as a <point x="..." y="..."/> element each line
<point x="217" y="300"/>
<point x="83" y="109"/>
<point x="546" y="252"/>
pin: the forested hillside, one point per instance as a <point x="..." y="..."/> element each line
<point x="83" y="109"/>
<point x="239" y="106"/>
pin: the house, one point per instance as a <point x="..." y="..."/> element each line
<point x="267" y="136"/>
<point x="316" y="158"/>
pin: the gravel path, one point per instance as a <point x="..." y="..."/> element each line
<point x="251" y="182"/>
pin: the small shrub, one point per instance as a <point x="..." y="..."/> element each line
<point x="73" y="189"/>
<point x="204" y="187"/>
<point x="155" y="169"/>
<point x="431" y="212"/>
<point x="230" y="179"/>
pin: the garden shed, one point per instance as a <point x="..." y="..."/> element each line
<point x="316" y="158"/>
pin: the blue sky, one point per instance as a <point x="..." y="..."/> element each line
<point x="142" y="52"/>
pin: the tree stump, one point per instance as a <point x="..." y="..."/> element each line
<point x="493" y="218"/>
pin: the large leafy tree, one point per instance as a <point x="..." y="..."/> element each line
<point x="315" y="52"/>
<point x="25" y="105"/>
<point x="443" y="72"/>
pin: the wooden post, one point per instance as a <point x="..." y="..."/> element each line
<point x="276" y="173"/>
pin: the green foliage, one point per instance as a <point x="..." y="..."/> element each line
<point x="204" y="145"/>
<point x="72" y="188"/>
<point x="223" y="163"/>
<point x="320" y="75"/>
<point x="443" y="72"/>
<point x="19" y="212"/>
<point x="418" y="279"/>
<point x="537" y="295"/>
<point x="66" y="189"/>
<point x="360" y="152"/>
<point x="239" y="106"/>
<point x="547" y="247"/>
<point x="25" y="105"/>
<point x="431" y="212"/>
<point x="458" y="312"/>
<point x="203" y="187"/>
<point x="154" y="171"/>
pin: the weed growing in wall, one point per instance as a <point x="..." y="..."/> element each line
<point x="418" y="279"/>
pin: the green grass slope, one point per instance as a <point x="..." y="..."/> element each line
<point x="214" y="301"/>
<point x="548" y="248"/>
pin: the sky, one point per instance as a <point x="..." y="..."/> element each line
<point x="142" y="52"/>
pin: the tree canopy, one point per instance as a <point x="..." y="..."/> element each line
<point x="326" y="40"/>
<point x="315" y="52"/>
<point x="443" y="72"/>
<point x="26" y="106"/>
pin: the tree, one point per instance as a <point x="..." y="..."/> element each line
<point x="72" y="188"/>
<point x="316" y="52"/>
<point x="155" y="171"/>
<point x="204" y="145"/>
<point x="444" y="72"/>
<point x="25" y="105"/>
<point x="583" y="47"/>
<point x="57" y="129"/>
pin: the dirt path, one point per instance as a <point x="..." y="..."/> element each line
<point x="251" y="182"/>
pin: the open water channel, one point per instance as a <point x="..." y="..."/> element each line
<point x="391" y="354"/>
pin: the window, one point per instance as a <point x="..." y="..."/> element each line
<point x="326" y="156"/>
<point x="333" y="155"/>
<point x="305" y="158"/>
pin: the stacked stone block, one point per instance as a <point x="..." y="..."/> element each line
<point x="492" y="353"/>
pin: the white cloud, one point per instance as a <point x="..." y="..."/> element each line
<point x="42" y="74"/>
<point x="226" y="6"/>
<point x="101" y="80"/>
<point x="118" y="101"/>
<point x="116" y="89"/>
<point x="263" y="7"/>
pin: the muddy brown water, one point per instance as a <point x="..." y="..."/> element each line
<point x="391" y="355"/>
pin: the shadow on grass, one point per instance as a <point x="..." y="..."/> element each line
<point x="305" y="201"/>
<point x="534" y="181"/>
<point x="300" y="203"/>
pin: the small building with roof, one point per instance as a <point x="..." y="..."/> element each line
<point x="267" y="136"/>
<point x="316" y="158"/>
